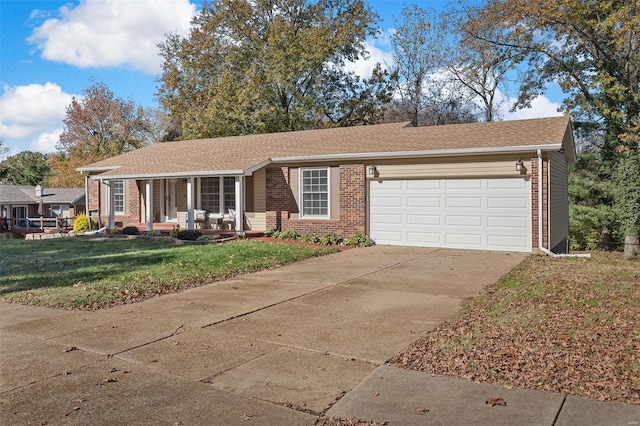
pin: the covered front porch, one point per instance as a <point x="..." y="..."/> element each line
<point x="213" y="202"/>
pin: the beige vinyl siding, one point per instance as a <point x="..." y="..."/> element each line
<point x="257" y="218"/>
<point x="158" y="199"/>
<point x="558" y="202"/>
<point x="504" y="168"/>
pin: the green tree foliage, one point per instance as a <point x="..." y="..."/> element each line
<point x="25" y="168"/>
<point x="3" y="147"/>
<point x="628" y="200"/>
<point x="97" y="126"/>
<point x="266" y="66"/>
<point x="591" y="49"/>
<point x="591" y="195"/>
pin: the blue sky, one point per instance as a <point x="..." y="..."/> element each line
<point x="51" y="50"/>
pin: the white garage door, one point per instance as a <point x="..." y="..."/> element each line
<point x="482" y="214"/>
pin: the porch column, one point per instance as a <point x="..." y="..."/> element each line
<point x="148" y="209"/>
<point x="111" y="201"/>
<point x="86" y="200"/>
<point x="239" y="203"/>
<point x="190" y="203"/>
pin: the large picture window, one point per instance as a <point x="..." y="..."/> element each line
<point x="118" y="196"/>
<point x="314" y="184"/>
<point x="211" y="189"/>
<point x="210" y="194"/>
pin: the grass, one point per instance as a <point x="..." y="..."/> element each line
<point x="563" y="325"/>
<point x="88" y="273"/>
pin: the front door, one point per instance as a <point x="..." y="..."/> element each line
<point x="171" y="201"/>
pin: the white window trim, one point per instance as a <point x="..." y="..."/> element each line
<point x="124" y="197"/>
<point x="221" y="194"/>
<point x="301" y="171"/>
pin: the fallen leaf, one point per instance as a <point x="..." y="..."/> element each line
<point x="422" y="410"/>
<point x="498" y="400"/>
<point x="71" y="349"/>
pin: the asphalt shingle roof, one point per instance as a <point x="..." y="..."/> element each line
<point x="241" y="153"/>
<point x="25" y="194"/>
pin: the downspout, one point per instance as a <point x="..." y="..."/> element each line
<point x="540" y="227"/>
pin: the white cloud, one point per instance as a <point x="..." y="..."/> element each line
<point x="112" y="33"/>
<point x="46" y="142"/>
<point x="30" y="110"/>
<point x="364" y="67"/>
<point x="540" y="107"/>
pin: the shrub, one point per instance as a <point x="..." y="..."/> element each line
<point x="81" y="224"/>
<point x="208" y="237"/>
<point x="189" y="234"/>
<point x="174" y="231"/>
<point x="359" y="240"/>
<point x="331" y="239"/>
<point x="272" y="233"/>
<point x="586" y="225"/>
<point x="289" y="234"/>
<point x="153" y="234"/>
<point x="131" y="230"/>
<point x="310" y="238"/>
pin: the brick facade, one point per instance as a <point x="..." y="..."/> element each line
<point x="132" y="201"/>
<point x="352" y="199"/>
<point x="534" y="202"/>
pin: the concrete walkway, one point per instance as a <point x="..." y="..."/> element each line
<point x="274" y="347"/>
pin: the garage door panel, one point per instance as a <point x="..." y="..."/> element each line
<point x="487" y="214"/>
<point x="420" y="238"/>
<point x="507" y="202"/>
<point x="463" y="184"/>
<point x="419" y="185"/>
<point x="517" y="222"/>
<point x="423" y="219"/>
<point x="516" y="184"/>
<point x="428" y="202"/>
<point x="464" y="240"/>
<point x="506" y="242"/>
<point x="464" y="202"/>
<point x="465" y="221"/>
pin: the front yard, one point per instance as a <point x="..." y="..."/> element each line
<point x="90" y="273"/>
<point x="560" y="325"/>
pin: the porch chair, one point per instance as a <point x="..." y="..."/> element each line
<point x="230" y="221"/>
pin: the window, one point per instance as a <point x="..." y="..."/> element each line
<point x="315" y="192"/>
<point x="60" y="210"/>
<point x="118" y="196"/>
<point x="210" y="198"/>
<point x="229" y="194"/>
<point x="210" y="194"/>
<point x="19" y="213"/>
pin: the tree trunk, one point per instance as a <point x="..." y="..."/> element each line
<point x="631" y="247"/>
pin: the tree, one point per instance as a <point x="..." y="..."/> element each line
<point x="97" y="126"/>
<point x="628" y="200"/>
<point x="416" y="47"/>
<point x="479" y="65"/>
<point x="25" y="168"/>
<point x="262" y="66"/>
<point x="3" y="147"/>
<point x="591" y="49"/>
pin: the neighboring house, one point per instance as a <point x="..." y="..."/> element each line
<point x="487" y="186"/>
<point x="20" y="205"/>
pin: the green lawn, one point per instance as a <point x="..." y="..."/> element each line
<point x="89" y="273"/>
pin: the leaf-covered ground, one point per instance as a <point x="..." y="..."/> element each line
<point x="562" y="325"/>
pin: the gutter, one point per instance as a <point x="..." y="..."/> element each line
<point x="540" y="227"/>
<point x="414" y="154"/>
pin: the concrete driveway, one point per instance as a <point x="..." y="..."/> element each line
<point x="274" y="347"/>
